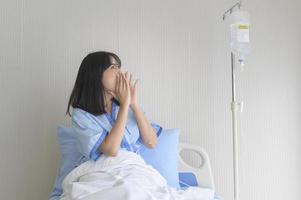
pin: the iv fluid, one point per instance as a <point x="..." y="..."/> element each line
<point x="240" y="37"/>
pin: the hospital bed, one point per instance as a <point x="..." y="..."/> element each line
<point x="199" y="175"/>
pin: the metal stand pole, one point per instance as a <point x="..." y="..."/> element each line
<point x="235" y="106"/>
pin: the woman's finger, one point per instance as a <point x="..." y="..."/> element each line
<point x="136" y="82"/>
<point x="127" y="76"/>
<point x="123" y="82"/>
<point x="131" y="77"/>
<point x="120" y="83"/>
<point x="117" y="84"/>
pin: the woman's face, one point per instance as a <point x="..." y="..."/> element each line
<point x="109" y="77"/>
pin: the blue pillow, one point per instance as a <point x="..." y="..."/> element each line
<point x="187" y="179"/>
<point x="69" y="158"/>
<point x="164" y="157"/>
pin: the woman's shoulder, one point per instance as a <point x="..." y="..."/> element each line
<point x="83" y="119"/>
<point x="78" y="110"/>
<point x="78" y="113"/>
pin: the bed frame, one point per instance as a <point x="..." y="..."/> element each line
<point x="203" y="173"/>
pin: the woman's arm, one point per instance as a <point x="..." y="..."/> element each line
<point x="111" y="143"/>
<point x="148" y="134"/>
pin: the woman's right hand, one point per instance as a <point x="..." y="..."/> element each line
<point x="123" y="90"/>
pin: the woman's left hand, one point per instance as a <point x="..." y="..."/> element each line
<point x="133" y="90"/>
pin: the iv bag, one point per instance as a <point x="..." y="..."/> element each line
<point x="240" y="37"/>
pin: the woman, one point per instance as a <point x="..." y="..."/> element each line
<point x="106" y="115"/>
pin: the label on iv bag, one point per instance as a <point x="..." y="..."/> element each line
<point x="242" y="31"/>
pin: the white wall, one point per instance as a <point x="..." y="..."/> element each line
<point x="178" y="49"/>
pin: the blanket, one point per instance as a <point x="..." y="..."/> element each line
<point x="125" y="176"/>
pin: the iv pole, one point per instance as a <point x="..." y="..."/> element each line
<point x="235" y="107"/>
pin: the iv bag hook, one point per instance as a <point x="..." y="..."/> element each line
<point x="230" y="10"/>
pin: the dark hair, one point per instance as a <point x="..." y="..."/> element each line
<point x="88" y="91"/>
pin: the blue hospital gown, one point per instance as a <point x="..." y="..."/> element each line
<point x="91" y="130"/>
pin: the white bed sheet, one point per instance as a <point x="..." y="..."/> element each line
<point x="124" y="177"/>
